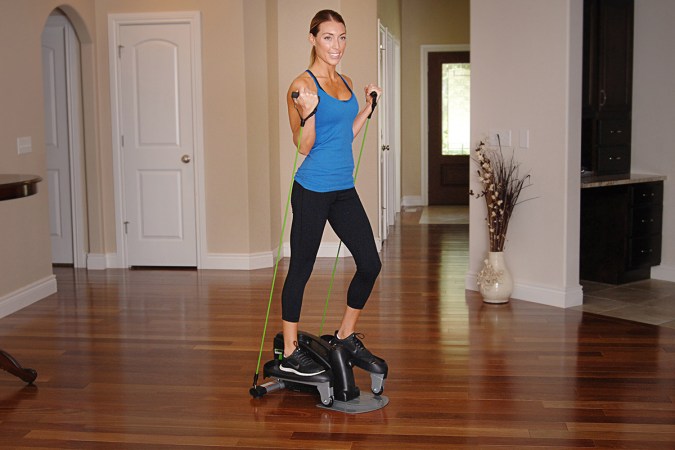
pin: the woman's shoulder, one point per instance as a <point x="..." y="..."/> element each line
<point x="304" y="80"/>
<point x="347" y="79"/>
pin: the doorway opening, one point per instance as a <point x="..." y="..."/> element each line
<point x="446" y="78"/>
<point x="62" y="90"/>
<point x="448" y="86"/>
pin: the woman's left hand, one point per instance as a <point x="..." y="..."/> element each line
<point x="372" y="88"/>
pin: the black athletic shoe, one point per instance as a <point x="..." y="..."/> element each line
<point x="300" y="363"/>
<point x="361" y="356"/>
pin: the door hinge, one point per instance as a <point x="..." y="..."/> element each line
<point x="119" y="51"/>
<point x="126" y="227"/>
<point x="122" y="140"/>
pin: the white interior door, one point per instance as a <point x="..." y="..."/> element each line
<point x="389" y="121"/>
<point x="392" y="129"/>
<point x="57" y="142"/>
<point x="157" y="144"/>
<point x="383" y="135"/>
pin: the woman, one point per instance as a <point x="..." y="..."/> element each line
<point x="324" y="191"/>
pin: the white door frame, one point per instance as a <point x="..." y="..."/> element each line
<point x="75" y="136"/>
<point x="424" y="108"/>
<point x="397" y="122"/>
<point x="115" y="21"/>
<point x="389" y="83"/>
<point x="382" y="136"/>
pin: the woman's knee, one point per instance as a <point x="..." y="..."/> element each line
<point x="370" y="269"/>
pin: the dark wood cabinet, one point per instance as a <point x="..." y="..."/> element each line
<point x="607" y="86"/>
<point x="620" y="231"/>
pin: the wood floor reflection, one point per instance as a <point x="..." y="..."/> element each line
<point x="157" y="359"/>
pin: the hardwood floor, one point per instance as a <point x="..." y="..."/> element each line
<point x="157" y="359"/>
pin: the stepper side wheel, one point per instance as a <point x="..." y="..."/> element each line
<point x="377" y="383"/>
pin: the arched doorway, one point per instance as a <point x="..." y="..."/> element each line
<point x="65" y="131"/>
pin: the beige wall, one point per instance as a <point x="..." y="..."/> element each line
<point x="25" y="249"/>
<point x="654" y="111"/>
<point x="423" y="22"/>
<point x="526" y="74"/>
<point x="251" y="50"/>
<point x="389" y="13"/>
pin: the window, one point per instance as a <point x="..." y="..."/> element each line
<point x="456" y="113"/>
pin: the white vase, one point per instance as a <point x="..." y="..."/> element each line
<point x="495" y="282"/>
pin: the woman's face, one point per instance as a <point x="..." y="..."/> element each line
<point x="330" y="42"/>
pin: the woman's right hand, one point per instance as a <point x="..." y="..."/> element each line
<point x="306" y="102"/>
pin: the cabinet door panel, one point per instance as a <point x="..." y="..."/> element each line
<point x="615" y="55"/>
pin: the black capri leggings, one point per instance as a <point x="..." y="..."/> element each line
<point x="345" y="213"/>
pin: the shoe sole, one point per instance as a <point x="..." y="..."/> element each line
<point x="291" y="370"/>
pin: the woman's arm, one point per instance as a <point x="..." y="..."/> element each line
<point x="302" y="107"/>
<point x="363" y="115"/>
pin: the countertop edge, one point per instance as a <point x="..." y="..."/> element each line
<point x="634" y="178"/>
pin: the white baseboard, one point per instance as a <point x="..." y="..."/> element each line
<point x="97" y="261"/>
<point x="326" y="250"/>
<point x="229" y="261"/>
<point x="665" y="273"/>
<point x="27" y="295"/>
<point x="252" y="261"/>
<point x="560" y="298"/>
<point x="237" y="261"/>
<point x="412" y="200"/>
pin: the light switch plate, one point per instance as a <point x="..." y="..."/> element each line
<point x="504" y="137"/>
<point x="24" y="145"/>
<point x="524" y="138"/>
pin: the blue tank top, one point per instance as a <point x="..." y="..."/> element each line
<point x="329" y="166"/>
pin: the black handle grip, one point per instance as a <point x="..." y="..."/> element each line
<point x="295" y="95"/>
<point x="373" y="94"/>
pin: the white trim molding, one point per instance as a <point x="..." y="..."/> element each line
<point x="665" y="273"/>
<point x="412" y="200"/>
<point x="262" y="260"/>
<point x="27" y="295"/>
<point x="237" y="261"/>
<point x="543" y="295"/>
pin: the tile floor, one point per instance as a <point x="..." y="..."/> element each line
<point x="647" y="301"/>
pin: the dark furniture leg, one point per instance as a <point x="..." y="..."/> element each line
<point x="11" y="365"/>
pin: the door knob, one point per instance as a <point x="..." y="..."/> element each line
<point x="186" y="159"/>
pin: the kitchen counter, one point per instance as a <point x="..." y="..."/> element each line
<point x="592" y="181"/>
